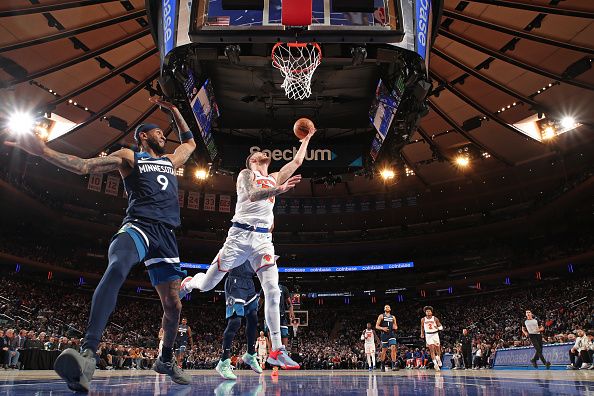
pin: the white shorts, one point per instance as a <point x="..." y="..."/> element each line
<point x="261" y="352"/>
<point x="369" y="349"/>
<point x="242" y="245"/>
<point x="432" y="339"/>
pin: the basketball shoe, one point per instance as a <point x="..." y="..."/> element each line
<point x="76" y="368"/>
<point x="281" y="359"/>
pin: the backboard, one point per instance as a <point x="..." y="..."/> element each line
<point x="210" y="22"/>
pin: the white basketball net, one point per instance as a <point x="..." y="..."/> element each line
<point x="297" y="63"/>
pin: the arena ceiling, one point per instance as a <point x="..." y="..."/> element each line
<point x="494" y="63"/>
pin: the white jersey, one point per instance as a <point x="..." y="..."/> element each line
<point x="261" y="345"/>
<point x="368" y="337"/>
<point x="259" y="213"/>
<point x="430" y="325"/>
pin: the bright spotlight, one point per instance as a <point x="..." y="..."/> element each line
<point x="548" y="133"/>
<point x="21" y="122"/>
<point x="388" y="174"/>
<point x="200" y="174"/>
<point x="462" y="161"/>
<point x="567" y="122"/>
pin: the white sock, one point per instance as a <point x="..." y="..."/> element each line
<point x="373" y="359"/>
<point x="269" y="280"/>
<point x="206" y="282"/>
<point x="369" y="360"/>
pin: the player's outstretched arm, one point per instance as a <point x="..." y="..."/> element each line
<point x="287" y="171"/>
<point x="183" y="152"/>
<point x="255" y="193"/>
<point x="33" y="144"/>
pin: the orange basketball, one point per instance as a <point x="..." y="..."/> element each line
<point x="302" y="127"/>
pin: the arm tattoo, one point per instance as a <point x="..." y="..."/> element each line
<point x="255" y="193"/>
<point x="182" y="154"/>
<point x="83" y="166"/>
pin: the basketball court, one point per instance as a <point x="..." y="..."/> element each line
<point x="340" y="382"/>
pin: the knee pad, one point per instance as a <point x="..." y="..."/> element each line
<point x="233" y="324"/>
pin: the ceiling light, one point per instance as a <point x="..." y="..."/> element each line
<point x="548" y="133"/>
<point x="21" y="122"/>
<point x="462" y="161"/>
<point x="201" y="174"/>
<point x="568" y="122"/>
<point x="387" y="174"/>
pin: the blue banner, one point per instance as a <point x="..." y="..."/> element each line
<point x="169" y="17"/>
<point x="557" y="354"/>
<point x="422" y="12"/>
<point x="353" y="268"/>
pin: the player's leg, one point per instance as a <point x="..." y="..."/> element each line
<point x="394" y="356"/>
<point x="231" y="255"/>
<point x="268" y="275"/>
<point x="77" y="369"/>
<point x="251" y="332"/>
<point x="368" y="360"/>
<point x="224" y="365"/>
<point x="373" y="359"/>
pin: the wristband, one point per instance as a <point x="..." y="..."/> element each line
<point x="186" y="136"/>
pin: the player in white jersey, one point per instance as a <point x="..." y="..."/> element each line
<point x="371" y="340"/>
<point x="262" y="348"/>
<point x="250" y="238"/>
<point x="430" y="327"/>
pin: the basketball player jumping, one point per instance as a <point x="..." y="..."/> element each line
<point x="386" y="324"/>
<point x="430" y="327"/>
<point x="184" y="336"/>
<point x="370" y="339"/>
<point x="241" y="301"/>
<point x="145" y="236"/>
<point x="250" y="238"/>
<point x="262" y="347"/>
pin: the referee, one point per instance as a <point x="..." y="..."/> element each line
<point x="532" y="330"/>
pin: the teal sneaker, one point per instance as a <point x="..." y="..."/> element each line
<point x="224" y="368"/>
<point x="252" y="361"/>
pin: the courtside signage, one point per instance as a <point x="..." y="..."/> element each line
<point x="352" y="268"/>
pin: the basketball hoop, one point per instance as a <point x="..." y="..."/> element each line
<point x="297" y="63"/>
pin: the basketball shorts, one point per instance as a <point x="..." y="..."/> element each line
<point x="240" y="307"/>
<point x="242" y="245"/>
<point x="157" y="248"/>
<point x="369" y="349"/>
<point x="432" y="339"/>
<point x="261" y="352"/>
<point x="388" y="339"/>
<point x="182" y="349"/>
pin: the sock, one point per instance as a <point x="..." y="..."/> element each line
<point x="122" y="255"/>
<point x="251" y="329"/>
<point x="369" y="360"/>
<point x="373" y="360"/>
<point x="208" y="282"/>
<point x="233" y="325"/>
<point x="166" y="354"/>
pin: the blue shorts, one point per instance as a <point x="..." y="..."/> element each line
<point x="157" y="248"/>
<point x="240" y="308"/>
<point x="388" y="339"/>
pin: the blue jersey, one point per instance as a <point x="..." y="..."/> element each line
<point x="152" y="191"/>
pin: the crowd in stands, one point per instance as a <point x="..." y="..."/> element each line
<point x="52" y="316"/>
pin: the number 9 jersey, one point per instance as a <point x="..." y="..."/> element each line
<point x="152" y="191"/>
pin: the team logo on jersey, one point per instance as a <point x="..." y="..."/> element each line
<point x="230" y="301"/>
<point x="267" y="258"/>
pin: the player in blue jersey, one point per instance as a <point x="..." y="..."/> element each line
<point x="387" y="325"/>
<point x="241" y="301"/>
<point x="146" y="236"/>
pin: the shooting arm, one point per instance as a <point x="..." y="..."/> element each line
<point x="290" y="168"/>
<point x="83" y="166"/>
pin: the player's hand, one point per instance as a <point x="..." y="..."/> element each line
<point x="310" y="134"/>
<point x="422" y="335"/>
<point x="29" y="142"/>
<point x="290" y="183"/>
<point x="164" y="104"/>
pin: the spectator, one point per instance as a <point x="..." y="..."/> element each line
<point x="578" y="355"/>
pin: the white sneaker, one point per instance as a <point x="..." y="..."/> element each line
<point x="585" y="366"/>
<point x="190" y="283"/>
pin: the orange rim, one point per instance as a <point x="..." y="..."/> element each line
<point x="297" y="45"/>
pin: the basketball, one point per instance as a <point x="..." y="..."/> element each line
<point x="302" y="127"/>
